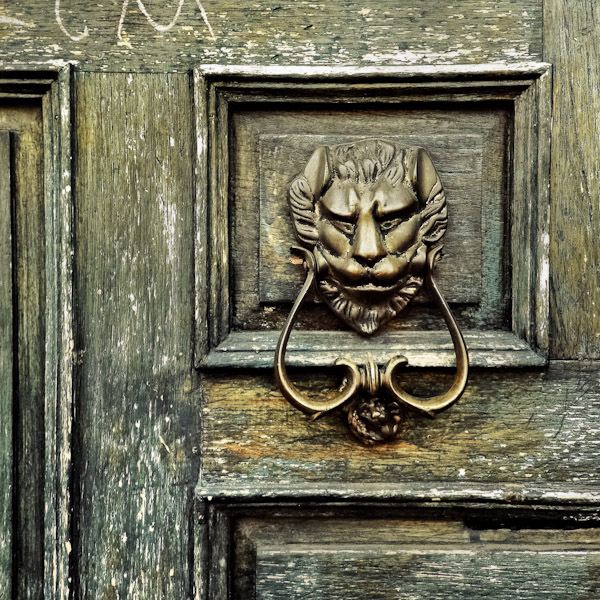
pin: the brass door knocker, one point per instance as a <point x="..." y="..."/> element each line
<point x="369" y="216"/>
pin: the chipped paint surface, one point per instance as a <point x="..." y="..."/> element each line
<point x="178" y="35"/>
<point x="118" y="346"/>
<point x="135" y="216"/>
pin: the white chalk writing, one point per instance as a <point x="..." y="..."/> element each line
<point x="76" y="37"/>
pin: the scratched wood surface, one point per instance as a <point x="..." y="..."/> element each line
<point x="138" y="413"/>
<point x="510" y="427"/>
<point x="137" y="396"/>
<point x="380" y="572"/>
<point x="403" y="543"/>
<point x="571" y="33"/>
<point x="6" y="370"/>
<point x="152" y="35"/>
<point x="25" y="401"/>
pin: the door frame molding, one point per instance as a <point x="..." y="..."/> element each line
<point x="53" y="90"/>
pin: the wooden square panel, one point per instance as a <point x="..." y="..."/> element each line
<point x="486" y="129"/>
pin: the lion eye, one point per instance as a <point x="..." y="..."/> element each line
<point x="343" y="226"/>
<point x="389" y="224"/>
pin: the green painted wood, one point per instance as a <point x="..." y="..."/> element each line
<point x="30" y="313"/>
<point x="256" y="349"/>
<point x="511" y="429"/>
<point x="386" y="572"/>
<point x="40" y="118"/>
<point x="25" y="220"/>
<point x="138" y="36"/>
<point x="59" y="409"/>
<point x="520" y="436"/>
<point x="6" y="370"/>
<point x="530" y="213"/>
<point x="267" y="529"/>
<point x="249" y="104"/>
<point x="137" y="403"/>
<point x="201" y="226"/>
<point x="571" y="35"/>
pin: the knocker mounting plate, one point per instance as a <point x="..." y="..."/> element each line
<point x="370" y="216"/>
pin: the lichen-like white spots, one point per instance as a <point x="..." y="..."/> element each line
<point x="141" y="516"/>
<point x="12" y="21"/>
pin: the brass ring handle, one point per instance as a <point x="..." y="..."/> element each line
<point x="288" y="389"/>
<point x="435" y="403"/>
<point x="368" y="378"/>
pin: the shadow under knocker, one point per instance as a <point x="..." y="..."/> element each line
<point x="370" y="215"/>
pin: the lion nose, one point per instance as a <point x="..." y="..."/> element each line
<point x="367" y="247"/>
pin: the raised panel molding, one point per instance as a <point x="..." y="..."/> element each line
<point x="230" y="264"/>
<point x="379" y="550"/>
<point x="52" y="91"/>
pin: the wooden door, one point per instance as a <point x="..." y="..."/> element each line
<point x="145" y="150"/>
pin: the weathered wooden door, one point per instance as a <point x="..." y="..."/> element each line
<point x="146" y="150"/>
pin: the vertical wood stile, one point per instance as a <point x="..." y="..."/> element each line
<point x="201" y="241"/>
<point x="59" y="406"/>
<point x="6" y="369"/>
<point x="571" y="34"/>
<point x="542" y="285"/>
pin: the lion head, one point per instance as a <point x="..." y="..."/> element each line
<point x="368" y="210"/>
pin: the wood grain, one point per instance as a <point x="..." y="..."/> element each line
<point x="138" y="406"/>
<point x="511" y="428"/>
<point x="119" y="36"/>
<point x="517" y="436"/>
<point x="30" y="307"/>
<point x="378" y="572"/>
<point x="571" y="34"/>
<point x="27" y="253"/>
<point x="256" y="349"/>
<point x="6" y="370"/>
<point x="59" y="406"/>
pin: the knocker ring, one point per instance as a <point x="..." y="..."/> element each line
<point x="370" y="216"/>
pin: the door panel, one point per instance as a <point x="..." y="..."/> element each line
<point x="385" y="572"/>
<point x="387" y="550"/>
<point x="164" y="474"/>
<point x="23" y="337"/>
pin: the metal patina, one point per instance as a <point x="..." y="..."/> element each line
<point x="370" y="216"/>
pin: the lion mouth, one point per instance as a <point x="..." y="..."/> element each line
<point x="371" y="287"/>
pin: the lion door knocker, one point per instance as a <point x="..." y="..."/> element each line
<point x="369" y="216"/>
